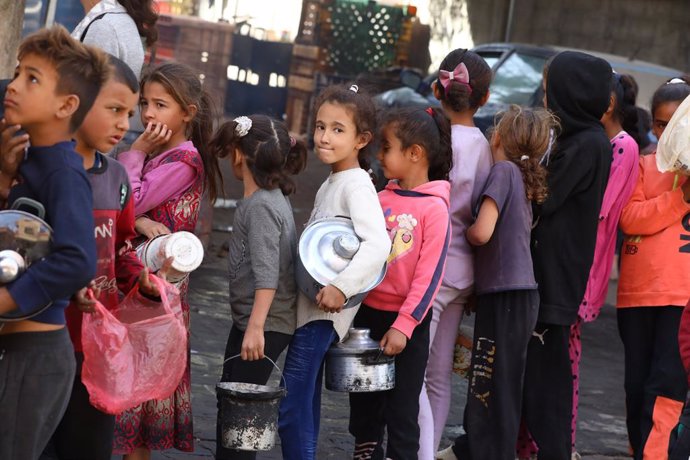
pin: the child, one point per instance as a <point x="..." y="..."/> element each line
<point x="263" y="249"/>
<point x="54" y="86"/>
<point x="653" y="288"/>
<point x="84" y="431"/>
<point x="344" y="125"/>
<point x="507" y="296"/>
<point x="578" y="91"/>
<point x="462" y="87"/>
<point x="622" y="179"/>
<point x="170" y="168"/>
<point x="416" y="155"/>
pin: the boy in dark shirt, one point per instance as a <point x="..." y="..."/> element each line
<point x="55" y="83"/>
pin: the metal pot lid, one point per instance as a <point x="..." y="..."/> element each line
<point x="186" y="249"/>
<point x="27" y="235"/>
<point x="326" y="248"/>
<point x="357" y="342"/>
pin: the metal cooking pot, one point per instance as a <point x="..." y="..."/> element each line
<point x="24" y="239"/>
<point x="326" y="248"/>
<point x="358" y="365"/>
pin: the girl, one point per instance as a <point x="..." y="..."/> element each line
<point x="169" y="168"/>
<point x="462" y="87"/>
<point x="507" y="296"/>
<point x="345" y="122"/>
<point x="653" y="288"/>
<point x="416" y="155"/>
<point x="622" y="179"/>
<point x="262" y="249"/>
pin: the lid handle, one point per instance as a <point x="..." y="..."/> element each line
<point x="346" y="246"/>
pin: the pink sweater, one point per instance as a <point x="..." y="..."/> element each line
<point x="622" y="180"/>
<point x="418" y="224"/>
<point x="154" y="183"/>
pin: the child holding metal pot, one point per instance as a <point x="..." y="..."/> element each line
<point x="344" y="126"/>
<point x="262" y="250"/>
<point x="416" y="156"/>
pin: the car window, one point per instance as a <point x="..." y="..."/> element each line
<point x="491" y="58"/>
<point x="516" y="79"/>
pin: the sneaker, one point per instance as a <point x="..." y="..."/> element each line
<point x="446" y="454"/>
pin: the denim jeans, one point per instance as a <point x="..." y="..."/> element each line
<point x="300" y="409"/>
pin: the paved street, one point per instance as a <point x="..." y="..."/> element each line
<point x="602" y="424"/>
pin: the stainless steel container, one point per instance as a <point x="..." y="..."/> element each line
<point x="185" y="249"/>
<point x="358" y="365"/>
<point x="326" y="248"/>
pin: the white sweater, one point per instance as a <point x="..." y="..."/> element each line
<point x="350" y="193"/>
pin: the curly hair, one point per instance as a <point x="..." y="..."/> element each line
<point x="525" y="134"/>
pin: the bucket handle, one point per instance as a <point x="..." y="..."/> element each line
<point x="282" y="377"/>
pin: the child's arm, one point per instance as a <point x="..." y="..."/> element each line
<point x="428" y="273"/>
<point x="624" y="173"/>
<point x="12" y="150"/>
<point x="642" y="216"/>
<point x="162" y="183"/>
<point x="253" y="342"/>
<point x="480" y="232"/>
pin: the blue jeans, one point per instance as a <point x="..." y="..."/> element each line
<point x="300" y="409"/>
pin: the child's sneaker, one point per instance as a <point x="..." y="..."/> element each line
<point x="446" y="454"/>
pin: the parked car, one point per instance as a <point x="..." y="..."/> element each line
<point x="517" y="79"/>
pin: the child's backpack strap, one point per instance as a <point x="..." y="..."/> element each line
<point x="100" y="16"/>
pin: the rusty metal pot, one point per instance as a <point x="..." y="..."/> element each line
<point x="326" y="248"/>
<point x="358" y="365"/>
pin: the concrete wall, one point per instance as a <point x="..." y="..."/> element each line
<point x="652" y="30"/>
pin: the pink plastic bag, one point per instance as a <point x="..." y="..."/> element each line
<point x="136" y="352"/>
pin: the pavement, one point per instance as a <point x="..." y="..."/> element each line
<point x="601" y="427"/>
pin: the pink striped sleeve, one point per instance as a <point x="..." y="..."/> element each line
<point x="160" y="184"/>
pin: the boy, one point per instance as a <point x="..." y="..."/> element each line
<point x="84" y="431"/>
<point x="56" y="81"/>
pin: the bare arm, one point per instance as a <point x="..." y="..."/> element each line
<point x="253" y="342"/>
<point x="479" y="233"/>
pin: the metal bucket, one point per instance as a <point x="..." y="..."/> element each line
<point x="326" y="248"/>
<point x="249" y="414"/>
<point x="185" y="248"/>
<point x="358" y="365"/>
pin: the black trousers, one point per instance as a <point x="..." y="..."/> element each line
<point x="655" y="379"/>
<point x="257" y="372"/>
<point x="547" y="402"/>
<point x="396" y="410"/>
<point x="502" y="332"/>
<point x="84" y="433"/>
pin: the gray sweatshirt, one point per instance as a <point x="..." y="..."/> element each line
<point x="262" y="254"/>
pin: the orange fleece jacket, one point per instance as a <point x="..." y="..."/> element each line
<point x="655" y="259"/>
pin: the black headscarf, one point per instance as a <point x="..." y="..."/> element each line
<point x="578" y="90"/>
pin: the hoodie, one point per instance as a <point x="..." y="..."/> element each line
<point x="563" y="239"/>
<point x="418" y="224"/>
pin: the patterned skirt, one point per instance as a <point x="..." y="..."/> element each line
<point x="160" y="424"/>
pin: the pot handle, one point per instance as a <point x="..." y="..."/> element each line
<point x="377" y="359"/>
<point x="282" y="377"/>
<point x="37" y="208"/>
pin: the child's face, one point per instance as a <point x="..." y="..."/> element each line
<point x="393" y="158"/>
<point x="31" y="97"/>
<point x="108" y="120"/>
<point x="662" y="115"/>
<point x="336" y="138"/>
<point x="158" y="106"/>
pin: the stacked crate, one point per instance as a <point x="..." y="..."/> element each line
<point x="203" y="45"/>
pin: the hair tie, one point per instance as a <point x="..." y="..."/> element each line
<point x="354" y="88"/>
<point x="676" y="81"/>
<point x="430" y="111"/>
<point x="293" y="141"/>
<point x="524" y="158"/>
<point x="244" y="124"/>
<point x="459" y="74"/>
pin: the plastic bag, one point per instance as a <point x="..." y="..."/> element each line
<point x="136" y="352"/>
<point x="673" y="150"/>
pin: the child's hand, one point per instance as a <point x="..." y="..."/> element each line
<point x="153" y="138"/>
<point x="253" y="344"/>
<point x="330" y="299"/>
<point x="150" y="228"/>
<point x="11" y="148"/>
<point x="393" y="342"/>
<point x="148" y="288"/>
<point x="83" y="301"/>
